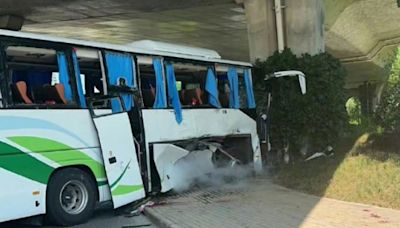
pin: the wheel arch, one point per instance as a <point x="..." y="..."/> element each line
<point x="83" y="168"/>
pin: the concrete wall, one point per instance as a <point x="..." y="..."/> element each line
<point x="261" y="28"/>
<point x="303" y="21"/>
<point x="305" y="26"/>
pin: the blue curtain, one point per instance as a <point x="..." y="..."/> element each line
<point x="212" y="88"/>
<point x="120" y="66"/>
<point x="234" y="88"/>
<point x="251" y="103"/>
<point x="173" y="95"/>
<point x="63" y="75"/>
<point x="82" y="100"/>
<point x="160" y="100"/>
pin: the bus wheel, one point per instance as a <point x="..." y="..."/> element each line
<point x="71" y="197"/>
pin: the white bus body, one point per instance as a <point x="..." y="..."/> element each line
<point x="76" y="127"/>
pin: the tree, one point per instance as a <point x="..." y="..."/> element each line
<point x="387" y="113"/>
<point x="316" y="117"/>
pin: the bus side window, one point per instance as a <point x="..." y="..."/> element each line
<point x="147" y="81"/>
<point x="231" y="86"/>
<point x="242" y="91"/>
<point x="148" y="85"/>
<point x="223" y="90"/>
<point x="91" y="77"/>
<point x="90" y="69"/>
<point x="38" y="76"/>
<point x="190" y="81"/>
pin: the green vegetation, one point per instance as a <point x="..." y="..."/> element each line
<point x="313" y="120"/>
<point x="363" y="173"/>
<point x="366" y="165"/>
<point x="387" y="113"/>
<point x="353" y="108"/>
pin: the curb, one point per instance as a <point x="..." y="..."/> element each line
<point x="160" y="220"/>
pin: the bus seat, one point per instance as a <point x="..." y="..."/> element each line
<point x="199" y="95"/>
<point x="224" y="99"/>
<point x="153" y="91"/>
<point x="50" y="94"/>
<point x="193" y="97"/>
<point x="61" y="92"/>
<point x="20" y="92"/>
<point x="148" y="98"/>
<point x="182" y="96"/>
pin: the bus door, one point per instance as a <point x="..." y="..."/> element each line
<point x="119" y="153"/>
<point x="114" y="131"/>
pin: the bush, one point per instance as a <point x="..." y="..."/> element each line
<point x="387" y="113"/>
<point x="315" y="118"/>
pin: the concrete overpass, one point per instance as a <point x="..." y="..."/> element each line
<point x="362" y="33"/>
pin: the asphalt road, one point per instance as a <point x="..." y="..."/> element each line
<point x="104" y="218"/>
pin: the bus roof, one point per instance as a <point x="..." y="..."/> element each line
<point x="168" y="48"/>
<point x="145" y="47"/>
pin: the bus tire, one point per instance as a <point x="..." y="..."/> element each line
<point x="71" y="197"/>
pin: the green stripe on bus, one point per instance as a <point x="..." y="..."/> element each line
<point x="126" y="189"/>
<point x="18" y="162"/>
<point x="59" y="153"/>
<point x="120" y="177"/>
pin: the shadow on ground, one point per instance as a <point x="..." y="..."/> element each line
<point x="102" y="218"/>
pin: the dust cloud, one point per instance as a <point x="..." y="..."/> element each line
<point x="197" y="170"/>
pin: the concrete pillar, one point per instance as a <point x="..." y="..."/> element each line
<point x="303" y="21"/>
<point x="305" y="26"/>
<point x="367" y="94"/>
<point x="379" y="86"/>
<point x="260" y="28"/>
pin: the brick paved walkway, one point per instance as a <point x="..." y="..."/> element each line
<point x="260" y="203"/>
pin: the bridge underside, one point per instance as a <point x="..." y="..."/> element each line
<point x="362" y="33"/>
<point x="215" y="24"/>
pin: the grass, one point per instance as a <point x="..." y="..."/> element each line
<point x="364" y="171"/>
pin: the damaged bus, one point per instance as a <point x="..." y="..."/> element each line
<point x="83" y="123"/>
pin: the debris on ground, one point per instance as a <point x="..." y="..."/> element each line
<point x="140" y="209"/>
<point x="328" y="152"/>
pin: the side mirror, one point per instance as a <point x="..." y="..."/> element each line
<point x="302" y="82"/>
<point x="289" y="73"/>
